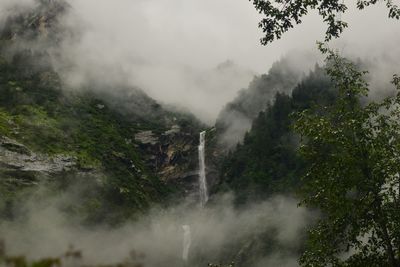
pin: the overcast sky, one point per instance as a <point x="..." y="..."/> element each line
<point x="171" y="48"/>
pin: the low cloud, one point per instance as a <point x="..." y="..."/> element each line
<point x="220" y="233"/>
<point x="173" y="50"/>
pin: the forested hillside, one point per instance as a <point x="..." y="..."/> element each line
<point x="102" y="162"/>
<point x="123" y="149"/>
<point x="236" y="117"/>
<point x="267" y="162"/>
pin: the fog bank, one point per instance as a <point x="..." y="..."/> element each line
<point x="177" y="51"/>
<point x="217" y="231"/>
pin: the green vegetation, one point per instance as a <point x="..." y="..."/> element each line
<point x="349" y="164"/>
<point x="282" y="15"/>
<point x="22" y="262"/>
<point x="267" y="162"/>
<point x="88" y="129"/>
<point x="236" y="117"/>
<point x="349" y="150"/>
<point x="352" y="173"/>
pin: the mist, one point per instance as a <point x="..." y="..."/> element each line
<point x="197" y="55"/>
<point x="157" y="238"/>
<point x="172" y="50"/>
<point x="8" y="6"/>
<point x="177" y="51"/>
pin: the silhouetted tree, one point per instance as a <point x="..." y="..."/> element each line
<point x="281" y="15"/>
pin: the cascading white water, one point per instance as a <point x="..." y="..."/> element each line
<point x="202" y="170"/>
<point x="187" y="236"/>
<point x="187" y="241"/>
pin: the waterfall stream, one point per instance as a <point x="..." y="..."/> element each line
<point x="203" y="193"/>
<point x="202" y="170"/>
<point x="187" y="240"/>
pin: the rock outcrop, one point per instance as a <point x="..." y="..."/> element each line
<point x="172" y="154"/>
<point x="22" y="166"/>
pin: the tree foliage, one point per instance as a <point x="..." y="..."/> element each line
<point x="281" y="15"/>
<point x="266" y="162"/>
<point x="352" y="176"/>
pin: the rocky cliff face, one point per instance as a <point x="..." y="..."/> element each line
<point x="120" y="149"/>
<point x="62" y="140"/>
<point x="16" y="158"/>
<point x="23" y="173"/>
<point x="173" y="156"/>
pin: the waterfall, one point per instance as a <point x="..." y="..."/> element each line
<point x="187" y="240"/>
<point x="187" y="235"/>
<point x="202" y="170"/>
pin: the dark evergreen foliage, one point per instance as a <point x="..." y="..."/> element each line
<point x="267" y="162"/>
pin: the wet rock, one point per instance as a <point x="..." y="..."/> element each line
<point x="175" y="129"/>
<point x="17" y="157"/>
<point x="172" y="155"/>
<point x="146" y="137"/>
<point x="13" y="146"/>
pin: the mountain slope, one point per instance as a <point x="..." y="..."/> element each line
<point x="236" y="117"/>
<point x="112" y="147"/>
<point x="267" y="162"/>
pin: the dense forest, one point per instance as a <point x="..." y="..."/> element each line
<point x="267" y="161"/>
